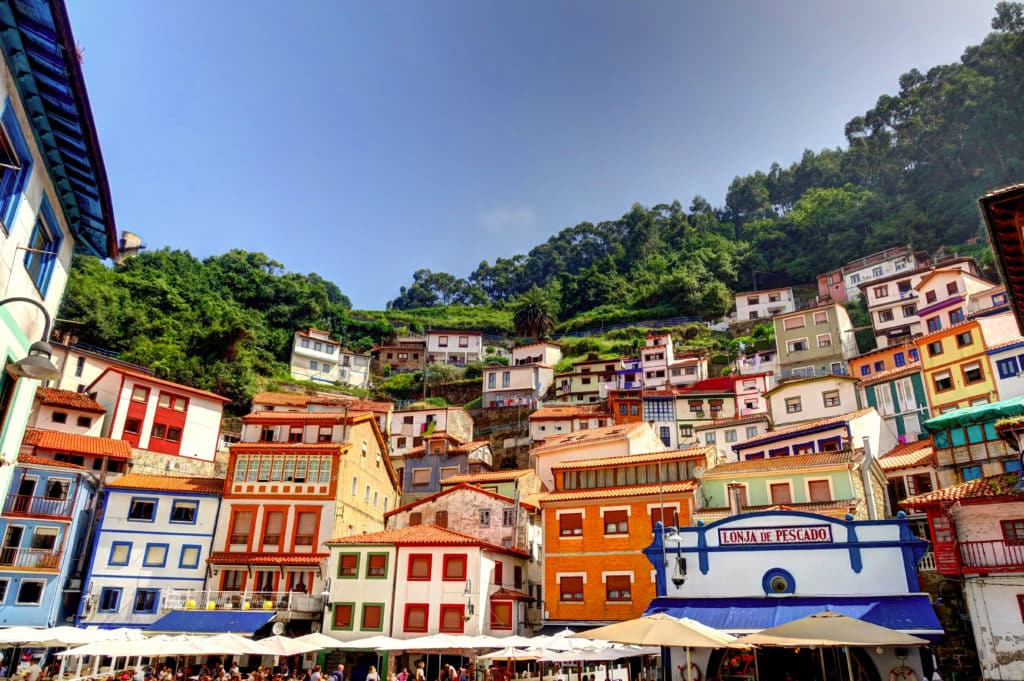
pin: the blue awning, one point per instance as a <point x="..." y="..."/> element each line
<point x="211" y="621"/>
<point x="911" y="613"/>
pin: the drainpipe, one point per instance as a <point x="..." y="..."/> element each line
<point x="865" y="476"/>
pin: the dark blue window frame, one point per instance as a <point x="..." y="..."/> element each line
<point x="154" y="607"/>
<point x="13" y="180"/>
<point x="914" y="354"/>
<point x="1007" y="367"/>
<point x="44" y="245"/>
<point x="865" y="369"/>
<point x="899" y="360"/>
<point x="104" y="603"/>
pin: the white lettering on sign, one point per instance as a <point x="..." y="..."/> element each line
<point x="808" y="534"/>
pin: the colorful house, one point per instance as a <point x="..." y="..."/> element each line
<point x="441" y="456"/>
<point x="724" y="433"/>
<point x="598" y="443"/>
<point x="967" y="443"/>
<point x="942" y="297"/>
<point x="424" y="580"/>
<point x="910" y="469"/>
<point x="597" y="519"/>
<point x="150" y="549"/>
<point x="899" y="396"/>
<point x="67" y="411"/>
<point x="836" y="433"/>
<point x="517" y="483"/>
<point x="1007" y="363"/>
<point x="557" y="419"/>
<point x="798" y="400"/>
<point x="1001" y="211"/>
<point x="814" y="341"/>
<point x="45" y="525"/>
<point x="895" y="356"/>
<point x="588" y="382"/>
<point x="454" y="347"/>
<point x="403" y="355"/>
<point x="764" y="304"/>
<point x="410" y="426"/>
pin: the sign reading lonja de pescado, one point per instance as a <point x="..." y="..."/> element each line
<point x="806" y="534"/>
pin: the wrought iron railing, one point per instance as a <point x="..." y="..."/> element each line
<point x="995" y="553"/>
<point x="293" y="601"/>
<point x="38" y="506"/>
<point x="37" y="559"/>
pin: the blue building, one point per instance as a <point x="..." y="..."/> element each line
<point x="45" y="521"/>
<point x="150" y="549"/>
<point x="441" y="456"/>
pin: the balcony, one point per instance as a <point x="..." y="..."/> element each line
<point x="995" y="555"/>
<point x="290" y="601"/>
<point x="38" y="506"/>
<point x="31" y="559"/>
<point x="927" y="562"/>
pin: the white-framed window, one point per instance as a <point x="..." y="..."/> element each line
<point x="824" y="340"/>
<point x="793" y="323"/>
<point x="421" y="476"/>
<point x="730" y="435"/>
<point x="793" y="405"/>
<point x="30" y="592"/>
<point x="796" y="345"/>
<point x="821" y="317"/>
<point x="830" y="398"/>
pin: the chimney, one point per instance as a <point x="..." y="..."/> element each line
<point x="865" y="476"/>
<point x="734" y="491"/>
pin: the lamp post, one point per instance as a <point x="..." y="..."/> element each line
<point x="38" y="364"/>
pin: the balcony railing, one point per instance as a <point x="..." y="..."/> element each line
<point x="292" y="601"/>
<point x="927" y="562"/>
<point x="35" y="559"/>
<point x="994" y="554"/>
<point x="38" y="506"/>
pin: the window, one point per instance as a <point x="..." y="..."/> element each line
<point x="463" y="341"/>
<point x="314" y="365"/>
<point x="855" y="278"/>
<point x="616" y="522"/>
<point x="570" y="524"/>
<point x="84" y="421"/>
<point x="452" y="619"/>
<point x="956" y="316"/>
<point x="753" y="300"/>
<point x="59" y="417"/>
<point x="880" y="365"/>
<point x="909" y="310"/>
<point x="825" y="340"/>
<point x="120" y="553"/>
<point x="666" y="516"/>
<point x="44" y="538"/>
<point x="942" y="381"/>
<point x="373" y="617"/>
<point x="798" y="345"/>
<point x="499" y="573"/>
<point x="934" y="348"/>
<point x="618" y="588"/>
<point x="899" y="359"/>
<point x="685" y="431"/>
<point x="508" y="517"/>
<point x="189" y="556"/>
<point x="830" y="398"/>
<point x="454" y="568"/>
<point x="973" y="373"/>
<point x="821" y="317"/>
<point x="913" y="354"/>
<point x="184" y="511"/>
<point x="865" y="369"/>
<point x="969" y="473"/>
<point x="876" y="272"/>
<point x="665" y="435"/>
<point x="570" y="589"/>
<point x="419" y="567"/>
<point x="342" y="618"/>
<point x="492" y="379"/>
<point x="155" y="555"/>
<point x="416" y="615"/>
<point x="421" y="476"/>
<point x="881" y="292"/>
<point x="930" y="297"/>
<point x="109" y="599"/>
<point x="819" y="490"/>
<point x="140" y="394"/>
<point x="506" y="379"/>
<point x="934" y="324"/>
<point x="730" y="436"/>
<point x="146" y="600"/>
<point x="1007" y="368"/>
<point x="43" y="246"/>
<point x="272" y="524"/>
<point x="485" y="517"/>
<point x="751" y="431"/>
<point x="142" y="509"/>
<point x="964" y="339"/>
<point x="709" y="438"/>
<point x="416" y="518"/>
<point x="57" y="488"/>
<point x="501" y="615"/>
<point x="793" y="405"/>
<point x="241" y="526"/>
<point x="376" y="565"/>
<point x="305" y="528"/>
<point x="174" y="402"/>
<point x="951" y="288"/>
<point x="793" y="323"/>
<point x="348" y="565"/>
<point x="780" y="493"/>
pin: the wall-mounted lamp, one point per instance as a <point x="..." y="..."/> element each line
<point x="38" y="364"/>
<point x="679" y="576"/>
<point x="468" y="593"/>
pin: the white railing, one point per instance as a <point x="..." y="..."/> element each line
<point x="187" y="599"/>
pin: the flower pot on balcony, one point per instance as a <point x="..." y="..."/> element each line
<point x="246" y="605"/>
<point x="268" y="605"/>
<point x="190" y="604"/>
<point x="211" y="605"/>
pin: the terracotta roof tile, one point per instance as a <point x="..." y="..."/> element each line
<point x="824" y="459"/>
<point x="256" y="558"/>
<point x="590" y="436"/>
<point x="72" y="443"/>
<point x="504" y="594"/>
<point x="32" y="460"/>
<point x="558" y="411"/>
<point x="52" y="397"/>
<point x="800" y="427"/>
<point x="421" y="535"/>
<point x="983" y="488"/>
<point x="624" y="491"/>
<point x="169" y="483"/>
<point x="895" y="372"/>
<point x="701" y="451"/>
<point x="735" y="421"/>
<point x="842" y="505"/>
<point x="445" y="492"/>
<point x="910" y="455"/>
<point x="279" y="399"/>
<point x="717" y="384"/>
<point x="504" y="475"/>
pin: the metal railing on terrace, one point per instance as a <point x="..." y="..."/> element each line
<point x="293" y="601"/>
<point x="994" y="554"/>
<point x="36" y="559"/>
<point x="38" y="506"/>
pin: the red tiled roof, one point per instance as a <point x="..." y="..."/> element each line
<point x="504" y="594"/>
<point x="717" y="384"/>
<point x="590" y="436"/>
<point x="323" y="339"/>
<point x="623" y="491"/>
<point x="824" y="459"/>
<point x="461" y="486"/>
<point x="152" y="380"/>
<point x="72" y="443"/>
<point x="504" y="475"/>
<point x="257" y="558"/>
<point x="910" y="455"/>
<point x="169" y="483"/>
<point x="800" y="427"/>
<point x="734" y="421"/>
<point x="31" y="460"/>
<point x="279" y="399"/>
<point x="305" y="417"/>
<point x="895" y="372"/>
<point x="421" y="535"/>
<point x="697" y="451"/>
<point x="558" y="411"/>
<point x="52" y="397"/>
<point x="983" y="488"/>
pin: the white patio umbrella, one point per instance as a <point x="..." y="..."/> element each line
<point x="510" y="654"/>
<point x="18" y="635"/>
<point x="282" y="645"/>
<point x="233" y="644"/>
<point x="323" y="640"/>
<point x="432" y="642"/>
<point x="378" y="642"/>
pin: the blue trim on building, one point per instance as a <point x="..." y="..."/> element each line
<point x="12" y="183"/>
<point x="762" y="440"/>
<point x="210" y="622"/>
<point x="152" y="545"/>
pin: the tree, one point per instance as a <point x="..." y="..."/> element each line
<point x="534" y="314"/>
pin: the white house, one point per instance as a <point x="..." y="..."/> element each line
<point x="763" y="304"/>
<point x="454" y="347"/>
<point x="68" y="412"/>
<point x="409" y="427"/>
<point x="315" y="357"/>
<point x="1007" y="360"/>
<point x="809" y="399"/>
<point x="522" y="385"/>
<point x="557" y="419"/>
<point x="596" y="443"/>
<point x="150" y="549"/>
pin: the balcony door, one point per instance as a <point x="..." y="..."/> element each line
<point x="12" y="542"/>
<point x="26" y="490"/>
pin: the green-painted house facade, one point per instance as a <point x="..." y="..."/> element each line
<point x="901" y="400"/>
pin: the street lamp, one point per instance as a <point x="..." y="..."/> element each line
<point x="37" y="364"/>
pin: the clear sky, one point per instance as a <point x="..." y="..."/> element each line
<point x="365" y="140"/>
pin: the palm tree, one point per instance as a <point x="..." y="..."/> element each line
<point x="533" y="314"/>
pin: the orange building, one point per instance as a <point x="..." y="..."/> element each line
<point x="865" y="366"/>
<point x="597" y="522"/>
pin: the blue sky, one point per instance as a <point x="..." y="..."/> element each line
<point x="365" y="140"/>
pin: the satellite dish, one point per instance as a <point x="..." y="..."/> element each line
<point x="278" y="628"/>
<point x="698" y="472"/>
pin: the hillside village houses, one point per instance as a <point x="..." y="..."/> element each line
<point x="765" y="303"/>
<point x="814" y="341"/>
<point x="315" y="357"/>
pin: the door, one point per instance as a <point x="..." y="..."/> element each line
<point x="12" y="541"/>
<point x="912" y="426"/>
<point x="26" y="488"/>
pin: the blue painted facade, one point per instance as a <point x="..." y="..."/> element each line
<point x="44" y="526"/>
